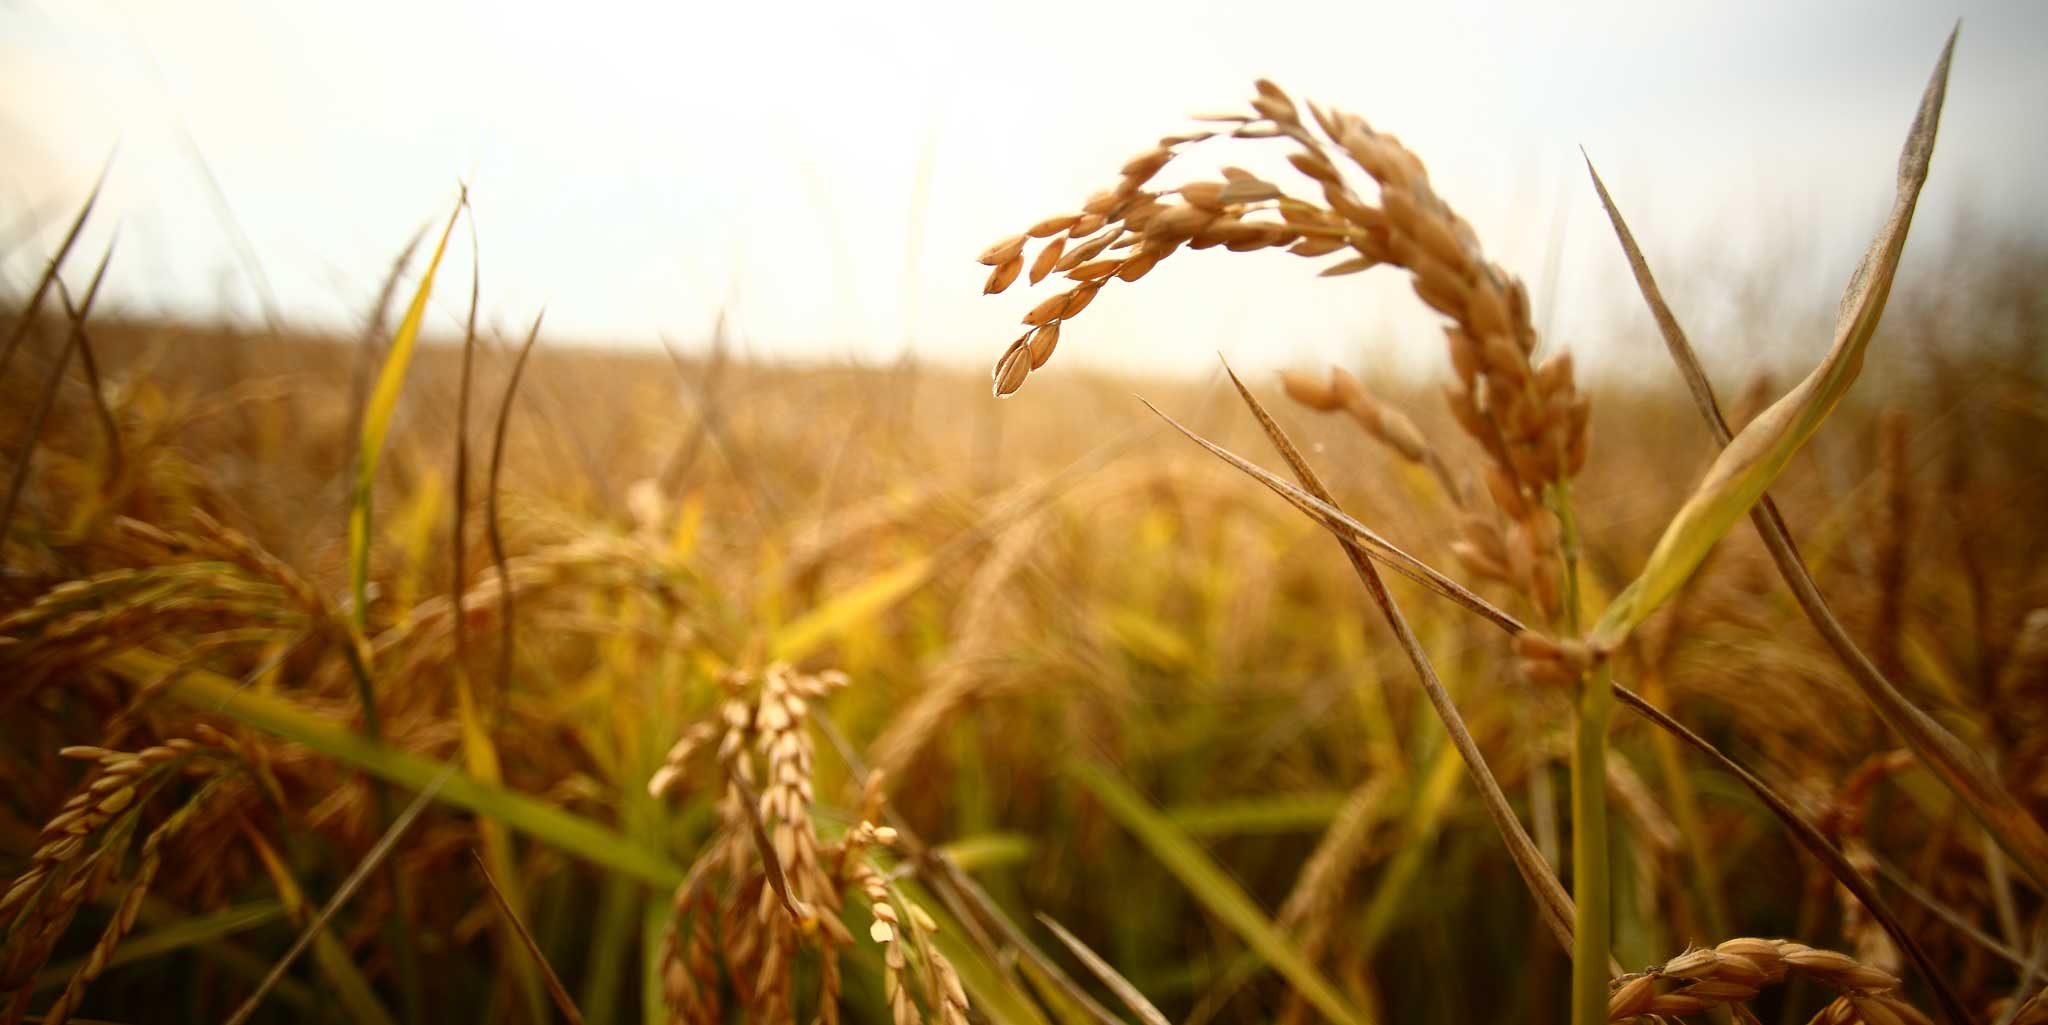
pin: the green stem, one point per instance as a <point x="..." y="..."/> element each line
<point x="1590" y="883"/>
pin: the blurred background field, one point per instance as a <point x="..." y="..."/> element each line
<point x="1091" y="673"/>
<point x="1084" y="593"/>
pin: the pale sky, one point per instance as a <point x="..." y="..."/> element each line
<point x="829" y="172"/>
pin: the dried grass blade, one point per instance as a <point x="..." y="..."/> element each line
<point x="1682" y="353"/>
<point x="771" y="862"/>
<point x="995" y="993"/>
<point x="181" y="934"/>
<point x="492" y="524"/>
<point x="19" y="479"/>
<point x="1215" y="890"/>
<point x="382" y="850"/>
<point x="1110" y="976"/>
<point x="377" y="424"/>
<point x="2029" y="974"/>
<point x="1817" y="845"/>
<point x="1754" y="458"/>
<point x="1355" y="535"/>
<point x="1551" y="898"/>
<point x="861" y="602"/>
<point x="27" y="317"/>
<point x="342" y="979"/>
<point x="961" y="894"/>
<point x="1958" y="768"/>
<point x="1949" y="916"/>
<point x="212" y="693"/>
<point x="555" y="988"/>
<point x="458" y="549"/>
<point x="90" y="363"/>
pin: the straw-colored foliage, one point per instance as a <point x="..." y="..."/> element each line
<point x="742" y="692"/>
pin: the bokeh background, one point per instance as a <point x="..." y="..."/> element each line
<point x="824" y="173"/>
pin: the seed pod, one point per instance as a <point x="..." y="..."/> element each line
<point x="1530" y="644"/>
<point x="1352" y="266"/>
<point x="1575" y="452"/>
<point x="1633" y="999"/>
<point x="1094" y="270"/>
<point x="1547" y="675"/>
<point x="1002" y="252"/>
<point x="1278" y="235"/>
<point x="1135" y="267"/>
<point x="1001" y="277"/>
<point x="1488" y="308"/>
<point x="1047" y="310"/>
<point x="1459" y="398"/>
<point x="1478" y="562"/>
<point x="1401" y="434"/>
<point x="1315" y="166"/>
<point x="1349" y="208"/>
<point x="1277" y="109"/>
<point x="1047" y="257"/>
<point x="1762" y="953"/>
<point x="1316" y="246"/>
<point x="1438" y="299"/>
<point x="1739" y="970"/>
<point x="1504" y="359"/>
<point x="1207" y="195"/>
<point x="1507" y="494"/>
<point x="1142" y="212"/>
<point x="1052" y="225"/>
<point x="1043" y="341"/>
<point x="1226" y="230"/>
<point x="1309" y="391"/>
<point x="1464" y="355"/>
<point x="1518" y="314"/>
<point x="1012" y="368"/>
<point x="1522" y="558"/>
<point x="1146" y="164"/>
<point x="1101" y="203"/>
<point x="1079" y="299"/>
<point x="1085" y="252"/>
<point x="1411" y="218"/>
<point x="1177" y="222"/>
<point x="1842" y="971"/>
<point x="1248" y="190"/>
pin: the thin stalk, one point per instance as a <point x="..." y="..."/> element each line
<point x="26" y="321"/>
<point x="492" y="526"/>
<point x="1958" y="768"/>
<point x="91" y="365"/>
<point x="1542" y="881"/>
<point x="49" y="397"/>
<point x="1591" y="898"/>
<point x="1592" y="894"/>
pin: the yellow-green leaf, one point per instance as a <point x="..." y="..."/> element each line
<point x="854" y="607"/>
<point x="1213" y="887"/>
<point x="377" y="421"/>
<point x="1746" y="468"/>
<point x="210" y="692"/>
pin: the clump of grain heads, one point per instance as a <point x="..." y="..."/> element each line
<point x="767" y="888"/>
<point x="1527" y="417"/>
<point x="1737" y="970"/>
<point x="83" y="850"/>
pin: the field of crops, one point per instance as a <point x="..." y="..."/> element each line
<point x="377" y="679"/>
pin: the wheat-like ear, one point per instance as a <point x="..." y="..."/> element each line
<point x="1738" y="970"/>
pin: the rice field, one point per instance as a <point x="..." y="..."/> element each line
<point x="407" y="678"/>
